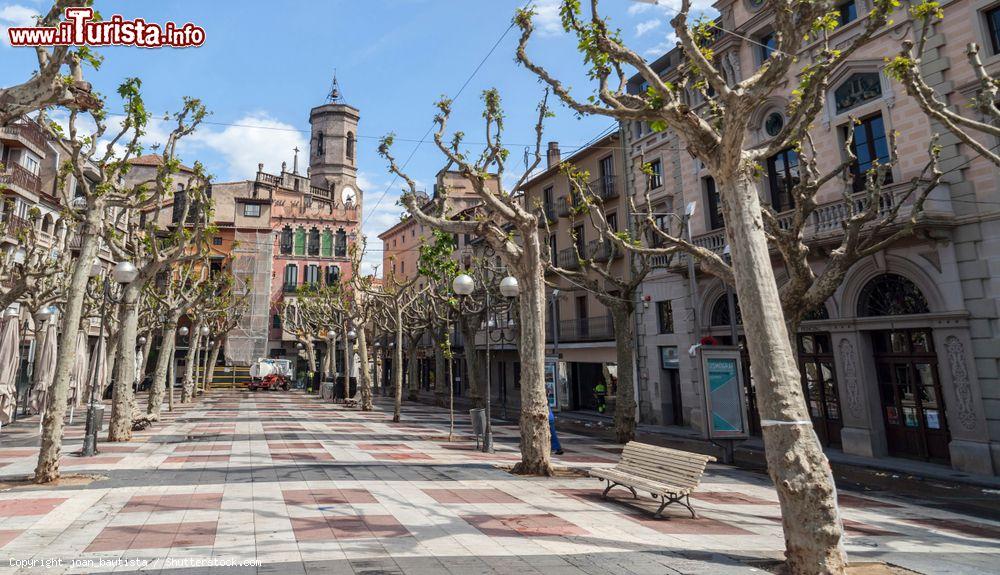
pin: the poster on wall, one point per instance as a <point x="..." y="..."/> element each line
<point x="550" y="383"/>
<point x="722" y="375"/>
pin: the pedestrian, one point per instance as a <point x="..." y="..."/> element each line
<point x="600" y="391"/>
<point x="556" y="446"/>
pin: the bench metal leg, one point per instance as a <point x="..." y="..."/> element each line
<point x="684" y="500"/>
<point x="613" y="484"/>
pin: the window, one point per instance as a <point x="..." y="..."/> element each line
<point x="870" y="146"/>
<point x="612" y="220"/>
<point x="313" y="242"/>
<point x="774" y="123"/>
<point x="891" y="294"/>
<point x="320" y="147"/>
<point x="846" y="12"/>
<point x="285" y="244"/>
<point x="300" y="242"/>
<point x="312" y="275"/>
<point x="765" y="45"/>
<point x="720" y="311"/>
<point x="857" y="90"/>
<point x="607" y="173"/>
<point x="655" y="174"/>
<point x="402" y="267"/>
<point x="276" y="321"/>
<point x="180" y="203"/>
<point x="216" y="241"/>
<point x="665" y="316"/>
<point x="579" y="241"/>
<point x="715" y="220"/>
<point x="993" y="24"/>
<point x="332" y="275"/>
<point x="251" y="210"/>
<point x="291" y="277"/>
<point x="30" y="163"/>
<point x="783" y="176"/>
<point x="340" y="247"/>
<point x="350" y="145"/>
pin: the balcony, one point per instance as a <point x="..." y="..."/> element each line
<point x="582" y="330"/>
<point x="546" y="213"/>
<point x="563" y="206"/>
<point x="25" y="133"/>
<point x="14" y="226"/>
<point x="568" y="260"/>
<point x="17" y="175"/>
<point x="602" y="251"/>
<point x="605" y="188"/>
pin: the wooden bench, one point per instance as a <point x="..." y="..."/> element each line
<point x="666" y="474"/>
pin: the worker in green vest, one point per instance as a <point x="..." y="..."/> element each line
<point x="600" y="391"/>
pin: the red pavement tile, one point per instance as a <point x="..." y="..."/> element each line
<point x="858" y="528"/>
<point x="583" y="459"/>
<point x="320" y="497"/>
<point x="272" y="445"/>
<point x="73" y="461"/>
<point x="383" y="447"/>
<point x="677" y="525"/>
<point x="730" y="498"/>
<point x="107" y="448"/>
<point x="155" y="536"/>
<point x="202" y="447"/>
<point x="846" y="500"/>
<point x="196" y="458"/>
<point x="302" y="456"/>
<point x="347" y="527"/>
<point x="968" y="528"/>
<point x="526" y="525"/>
<point x="23" y="506"/>
<point x="12" y="453"/>
<point x="471" y="496"/>
<point x="173" y="502"/>
<point x="400" y="456"/>
<point x="8" y="535"/>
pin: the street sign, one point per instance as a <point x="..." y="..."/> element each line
<point x="722" y="375"/>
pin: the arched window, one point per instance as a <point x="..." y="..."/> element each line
<point x="817" y="314"/>
<point x="314" y="242"/>
<point x="285" y="245"/>
<point x="350" y="145"/>
<point x="891" y="294"/>
<point x="320" y="147"/>
<point x="300" y="242"/>
<point x="47" y="224"/>
<point x="856" y="90"/>
<point x="720" y="311"/>
<point x="340" y="249"/>
<point x="326" y="244"/>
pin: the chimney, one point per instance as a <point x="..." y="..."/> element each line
<point x="552" y="155"/>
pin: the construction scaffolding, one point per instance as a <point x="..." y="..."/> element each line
<point x="252" y="262"/>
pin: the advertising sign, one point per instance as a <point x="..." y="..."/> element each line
<point x="723" y="377"/>
<point x="550" y="383"/>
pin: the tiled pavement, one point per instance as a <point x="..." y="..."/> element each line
<point x="305" y="487"/>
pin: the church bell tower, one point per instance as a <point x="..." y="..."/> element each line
<point x="333" y="149"/>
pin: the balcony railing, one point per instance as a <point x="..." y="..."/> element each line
<point x="568" y="259"/>
<point x="602" y="251"/>
<point x="605" y="188"/>
<point x="582" y="329"/>
<point x="268" y="178"/>
<point x="563" y="206"/>
<point x="17" y="175"/>
<point x="14" y="226"/>
<point x="26" y="131"/>
<point x="546" y="212"/>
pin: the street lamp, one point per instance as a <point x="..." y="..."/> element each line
<point x="183" y="331"/>
<point x="142" y="340"/>
<point x="123" y="274"/>
<point x="463" y="284"/>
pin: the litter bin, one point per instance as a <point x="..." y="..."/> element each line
<point x="327" y="390"/>
<point x="478" y="416"/>
<point x="98" y="416"/>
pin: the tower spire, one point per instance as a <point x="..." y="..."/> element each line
<point x="335" y="95"/>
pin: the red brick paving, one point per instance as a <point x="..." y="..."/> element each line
<point x="272" y="445"/>
<point x="678" y="525"/>
<point x="526" y="525"/>
<point x="400" y="456"/>
<point x="74" y="461"/>
<point x="319" y="497"/>
<point x="383" y="447"/>
<point x="471" y="496"/>
<point x="858" y="528"/>
<point x="847" y="500"/>
<point x="302" y="456"/>
<point x="8" y="535"/>
<point x="199" y="447"/>
<point x="730" y="498"/>
<point x="22" y="507"/>
<point x="196" y="458"/>
<point x="173" y="502"/>
<point x="969" y="528"/>
<point x="155" y="536"/>
<point x="347" y="527"/>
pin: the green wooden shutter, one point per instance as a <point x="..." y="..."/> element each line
<point x="326" y="244"/>
<point x="300" y="242"/>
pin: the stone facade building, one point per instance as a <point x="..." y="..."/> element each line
<point x="903" y="359"/>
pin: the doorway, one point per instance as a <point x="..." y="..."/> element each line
<point x="819" y="384"/>
<point x="584" y="377"/>
<point x="910" y="392"/>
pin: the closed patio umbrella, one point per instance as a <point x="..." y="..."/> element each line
<point x="97" y="371"/>
<point x="10" y="342"/>
<point x="45" y="368"/>
<point x="78" y="375"/>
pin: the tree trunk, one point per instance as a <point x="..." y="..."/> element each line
<point x="621" y="314"/>
<point x="365" y="376"/>
<point x="473" y="362"/>
<point x="187" y="389"/>
<point x="146" y="347"/>
<point x="397" y="370"/>
<point x="796" y="462"/>
<point x="171" y="377"/>
<point x="155" y="400"/>
<point x="47" y="468"/>
<point x="213" y="357"/>
<point x="111" y="353"/>
<point x="535" y="440"/>
<point x="413" y="369"/>
<point x="123" y="395"/>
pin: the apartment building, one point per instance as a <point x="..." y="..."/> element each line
<point x="903" y="360"/>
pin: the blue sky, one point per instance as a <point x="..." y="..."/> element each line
<point x="267" y="66"/>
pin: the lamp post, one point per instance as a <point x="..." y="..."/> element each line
<point x="182" y="332"/>
<point x="123" y="274"/>
<point x="351" y="337"/>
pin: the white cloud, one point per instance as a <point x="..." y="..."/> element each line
<point x="646" y="27"/>
<point x="547" y="21"/>
<point x="668" y="7"/>
<point x="15" y="15"/>
<point x="242" y="147"/>
<point x="668" y="44"/>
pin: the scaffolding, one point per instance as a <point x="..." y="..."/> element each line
<point x="252" y="262"/>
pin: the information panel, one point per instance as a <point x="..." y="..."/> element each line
<point x="723" y="376"/>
